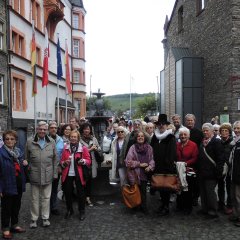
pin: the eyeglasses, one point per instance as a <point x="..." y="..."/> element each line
<point x="42" y="129"/>
<point x="120" y="132"/>
<point x="9" y="139"/>
<point x="53" y="127"/>
<point x="68" y="129"/>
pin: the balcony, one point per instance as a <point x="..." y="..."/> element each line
<point x="54" y="13"/>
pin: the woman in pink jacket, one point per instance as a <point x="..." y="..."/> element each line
<point x="75" y="158"/>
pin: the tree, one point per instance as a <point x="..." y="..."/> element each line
<point x="145" y="107"/>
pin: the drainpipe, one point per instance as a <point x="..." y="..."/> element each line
<point x="9" y="77"/>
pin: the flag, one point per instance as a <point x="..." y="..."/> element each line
<point x="59" y="61"/>
<point x="45" y="61"/>
<point x="68" y="84"/>
<point x="33" y="62"/>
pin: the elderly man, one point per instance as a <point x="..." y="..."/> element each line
<point x="59" y="147"/>
<point x="176" y="120"/>
<point x="74" y="123"/>
<point x="41" y="155"/>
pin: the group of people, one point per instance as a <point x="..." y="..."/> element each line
<point x="202" y="159"/>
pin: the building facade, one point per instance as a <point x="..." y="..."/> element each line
<point x="208" y="32"/>
<point x="4" y="104"/>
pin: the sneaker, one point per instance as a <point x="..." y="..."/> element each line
<point x="33" y="224"/>
<point x="46" y="223"/>
<point x="89" y="203"/>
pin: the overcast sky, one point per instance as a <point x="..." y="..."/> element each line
<point x="123" y="42"/>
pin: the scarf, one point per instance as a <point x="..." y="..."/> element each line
<point x="235" y="140"/>
<point x="141" y="148"/>
<point x="74" y="147"/>
<point x="87" y="139"/>
<point x="15" y="153"/>
<point x="161" y="136"/>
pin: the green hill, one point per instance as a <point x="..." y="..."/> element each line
<point x="122" y="101"/>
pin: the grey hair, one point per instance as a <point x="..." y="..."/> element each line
<point x="42" y="123"/>
<point x="236" y="123"/>
<point x="184" y="130"/>
<point x="216" y="126"/>
<point x="208" y="125"/>
<point x="176" y="115"/>
<point x="52" y="123"/>
<point x="190" y="115"/>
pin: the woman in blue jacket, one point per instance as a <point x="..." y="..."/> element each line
<point x="12" y="184"/>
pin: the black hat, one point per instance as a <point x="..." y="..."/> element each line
<point x="162" y="119"/>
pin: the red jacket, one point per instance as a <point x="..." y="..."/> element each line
<point x="187" y="154"/>
<point x="82" y="152"/>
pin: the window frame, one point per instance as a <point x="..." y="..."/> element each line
<point x="76" y="48"/>
<point x="1" y="89"/>
<point x="76" y="22"/>
<point x="79" y="76"/>
<point x="1" y="35"/>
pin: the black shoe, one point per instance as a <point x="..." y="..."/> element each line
<point x="202" y="212"/>
<point x="55" y="212"/>
<point x="68" y="214"/>
<point x="211" y="216"/>
<point x="82" y="216"/>
<point x="163" y="212"/>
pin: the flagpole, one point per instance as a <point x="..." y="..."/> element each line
<point x="35" y="114"/>
<point x="47" y="103"/>
<point x="66" y="107"/>
<point x="58" y="110"/>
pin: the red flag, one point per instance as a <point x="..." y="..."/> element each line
<point x="45" y="61"/>
<point x="68" y="84"/>
<point x="33" y="62"/>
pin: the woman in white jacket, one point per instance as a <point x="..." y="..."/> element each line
<point x="118" y="165"/>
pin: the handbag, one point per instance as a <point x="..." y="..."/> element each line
<point x="169" y="182"/>
<point x="131" y="195"/>
<point x="86" y="172"/>
<point x="98" y="157"/>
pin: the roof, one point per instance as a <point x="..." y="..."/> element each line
<point x="78" y="3"/>
<point x="167" y="24"/>
<point x="179" y="53"/>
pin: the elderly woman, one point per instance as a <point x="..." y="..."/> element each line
<point x="12" y="184"/>
<point x="88" y="140"/>
<point x="65" y="133"/>
<point x="187" y="152"/>
<point x="118" y="165"/>
<point x="74" y="158"/>
<point x="235" y="174"/>
<point x="140" y="160"/>
<point x="164" y="153"/>
<point x="210" y="162"/>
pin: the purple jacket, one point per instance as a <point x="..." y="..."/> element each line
<point x="132" y="161"/>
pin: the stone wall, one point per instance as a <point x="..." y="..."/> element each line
<point x="214" y="34"/>
<point x="3" y="71"/>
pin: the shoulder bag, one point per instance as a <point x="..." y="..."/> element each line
<point x="168" y="182"/>
<point x="131" y="195"/>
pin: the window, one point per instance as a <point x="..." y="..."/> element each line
<point x="19" y="6"/>
<point x="200" y="6"/>
<point x="180" y="19"/>
<point x="38" y="56"/>
<point x="18" y="94"/>
<point x="18" y="43"/>
<point x="76" y="48"/>
<point x="36" y="14"/>
<point x="1" y="36"/>
<point x="76" y="21"/>
<point x="76" y="76"/>
<point x="1" y="89"/>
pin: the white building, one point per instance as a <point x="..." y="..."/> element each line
<point x="63" y="18"/>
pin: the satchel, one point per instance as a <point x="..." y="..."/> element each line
<point x="98" y="157"/>
<point x="131" y="195"/>
<point x="169" y="182"/>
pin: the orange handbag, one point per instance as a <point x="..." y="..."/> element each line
<point x="168" y="182"/>
<point x="131" y="195"/>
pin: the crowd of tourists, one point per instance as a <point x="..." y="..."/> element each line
<point x="206" y="162"/>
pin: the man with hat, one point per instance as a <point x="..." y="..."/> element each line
<point x="164" y="154"/>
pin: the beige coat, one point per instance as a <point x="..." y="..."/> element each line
<point x="42" y="162"/>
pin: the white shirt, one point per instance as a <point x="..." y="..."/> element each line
<point x="71" y="172"/>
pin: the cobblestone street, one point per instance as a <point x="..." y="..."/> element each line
<point x="109" y="219"/>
